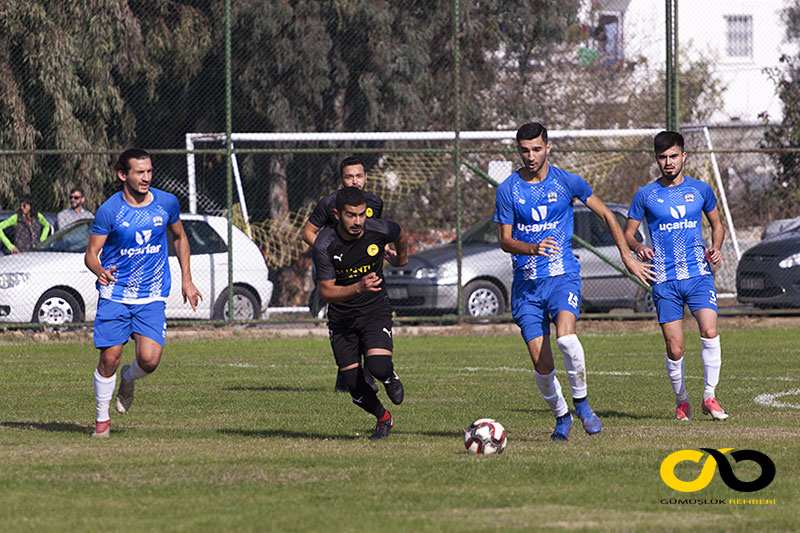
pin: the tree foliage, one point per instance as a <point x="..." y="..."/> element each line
<point x="75" y="76"/>
<point x="99" y="75"/>
<point x="785" y="189"/>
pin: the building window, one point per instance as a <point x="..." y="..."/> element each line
<point x="739" y="36"/>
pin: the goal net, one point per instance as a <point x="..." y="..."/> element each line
<point x="414" y="173"/>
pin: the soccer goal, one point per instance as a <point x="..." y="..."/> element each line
<point x="615" y="162"/>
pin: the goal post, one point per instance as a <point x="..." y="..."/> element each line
<point x="614" y="161"/>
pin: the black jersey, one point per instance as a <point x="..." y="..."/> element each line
<point x="323" y="213"/>
<point x="348" y="261"/>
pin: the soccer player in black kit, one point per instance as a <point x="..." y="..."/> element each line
<point x="353" y="174"/>
<point x="349" y="261"/>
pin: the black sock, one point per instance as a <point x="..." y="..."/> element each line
<point x="362" y="394"/>
<point x="576" y="401"/>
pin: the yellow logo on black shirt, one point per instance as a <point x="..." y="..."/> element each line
<point x="369" y="212"/>
<point x="372" y="250"/>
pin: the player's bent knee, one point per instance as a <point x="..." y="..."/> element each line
<point x="380" y="366"/>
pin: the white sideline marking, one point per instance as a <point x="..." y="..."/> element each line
<point x="618" y="373"/>
<point x="248" y="365"/>
<point x="770" y="400"/>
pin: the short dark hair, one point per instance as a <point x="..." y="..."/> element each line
<point x="350" y="161"/>
<point x="349" y="196"/>
<point x="123" y="164"/>
<point x="666" y="140"/>
<point x="530" y="131"/>
<point x="76" y="189"/>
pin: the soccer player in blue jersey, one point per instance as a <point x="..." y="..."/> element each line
<point x="533" y="211"/>
<point x="133" y="278"/>
<point x="674" y="206"/>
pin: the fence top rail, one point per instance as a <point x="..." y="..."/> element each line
<point x="406" y="135"/>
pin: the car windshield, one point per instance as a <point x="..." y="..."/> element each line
<point x="484" y="232"/>
<point x="72" y="239"/>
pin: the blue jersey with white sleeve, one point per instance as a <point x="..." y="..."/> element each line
<point x="536" y="211"/>
<point x="674" y="217"/>
<point x="137" y="246"/>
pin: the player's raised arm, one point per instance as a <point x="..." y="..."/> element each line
<point x="642" y="251"/>
<point x="333" y="293"/>
<point x="642" y="271"/>
<point x="548" y="247"/>
<point x="182" y="251"/>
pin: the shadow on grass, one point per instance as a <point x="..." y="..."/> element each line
<point x="267" y="388"/>
<point x="62" y="427"/>
<point x="602" y="414"/>
<point x="268" y="433"/>
<point x="448" y="434"/>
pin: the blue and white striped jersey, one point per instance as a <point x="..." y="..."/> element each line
<point x="674" y="217"/>
<point x="137" y="246"/>
<point x="537" y="211"/>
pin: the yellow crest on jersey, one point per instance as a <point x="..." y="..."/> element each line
<point x="372" y="250"/>
<point x="369" y="212"/>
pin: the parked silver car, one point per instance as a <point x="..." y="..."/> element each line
<point x="51" y="284"/>
<point x="427" y="284"/>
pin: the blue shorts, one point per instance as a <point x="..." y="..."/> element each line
<point x="116" y="322"/>
<point x="536" y="302"/>
<point x="671" y="296"/>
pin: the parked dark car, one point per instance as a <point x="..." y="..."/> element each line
<point x="768" y="274"/>
<point x="427" y="284"/>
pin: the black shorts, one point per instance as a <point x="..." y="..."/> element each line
<point x="350" y="340"/>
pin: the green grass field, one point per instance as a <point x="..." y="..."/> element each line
<point x="248" y="435"/>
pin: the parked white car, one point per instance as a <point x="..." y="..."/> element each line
<point x="51" y="284"/>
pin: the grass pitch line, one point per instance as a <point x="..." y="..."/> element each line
<point x="626" y="373"/>
<point x="771" y="400"/>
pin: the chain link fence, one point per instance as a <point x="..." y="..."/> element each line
<point x="347" y="67"/>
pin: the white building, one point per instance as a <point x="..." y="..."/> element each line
<point x="743" y="37"/>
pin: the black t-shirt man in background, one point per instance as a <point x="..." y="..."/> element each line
<point x="349" y="261"/>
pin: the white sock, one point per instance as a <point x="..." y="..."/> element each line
<point x="551" y="392"/>
<point x="712" y="362"/>
<point x="103" y="391"/>
<point x="134" y="372"/>
<point x="675" y="373"/>
<point x="574" y="362"/>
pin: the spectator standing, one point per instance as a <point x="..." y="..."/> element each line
<point x="30" y="226"/>
<point x="75" y="211"/>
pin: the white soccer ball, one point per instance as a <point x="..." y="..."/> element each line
<point x="485" y="436"/>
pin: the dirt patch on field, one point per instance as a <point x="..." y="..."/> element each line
<point x="288" y="330"/>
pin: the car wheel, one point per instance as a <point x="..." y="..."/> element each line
<point x="644" y="301"/>
<point x="57" y="307"/>
<point x="245" y="305"/>
<point x="483" y="298"/>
